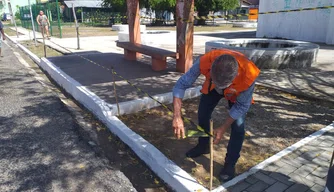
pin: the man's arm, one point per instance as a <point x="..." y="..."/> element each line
<point x="239" y="108"/>
<point x="2" y="31"/>
<point x="179" y="89"/>
<point x="3" y="34"/>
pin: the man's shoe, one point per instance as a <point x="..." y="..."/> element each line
<point x="227" y="173"/>
<point x="197" y="151"/>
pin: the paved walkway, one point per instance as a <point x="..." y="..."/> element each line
<point x="40" y="149"/>
<point x="302" y="170"/>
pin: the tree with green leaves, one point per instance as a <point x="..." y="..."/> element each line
<point x="203" y="7"/>
<point x="160" y="7"/>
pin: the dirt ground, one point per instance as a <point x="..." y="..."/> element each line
<point x="277" y="120"/>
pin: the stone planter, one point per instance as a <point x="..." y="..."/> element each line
<point x="271" y="53"/>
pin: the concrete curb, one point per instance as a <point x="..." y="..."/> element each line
<point x="27" y="51"/>
<point x="275" y="157"/>
<point x="167" y="170"/>
<point x="12" y="40"/>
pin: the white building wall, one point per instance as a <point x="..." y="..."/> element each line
<point x="313" y="26"/>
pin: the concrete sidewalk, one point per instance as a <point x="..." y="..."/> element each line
<point x="40" y="149"/>
<point x="302" y="170"/>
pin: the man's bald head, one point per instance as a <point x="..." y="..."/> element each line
<point x="223" y="71"/>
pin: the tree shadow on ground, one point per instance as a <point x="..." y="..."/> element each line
<point x="310" y="82"/>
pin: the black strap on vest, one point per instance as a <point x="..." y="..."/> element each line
<point x="210" y="85"/>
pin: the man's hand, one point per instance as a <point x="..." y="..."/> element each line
<point x="178" y="127"/>
<point x="218" y="134"/>
<point x="3" y="37"/>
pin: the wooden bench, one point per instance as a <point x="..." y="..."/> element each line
<point x="158" y="55"/>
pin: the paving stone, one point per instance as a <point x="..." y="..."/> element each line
<point x="277" y="187"/>
<point x="317" y="188"/>
<point x="328" y="149"/>
<point x="297" y="188"/>
<point x="251" y="179"/>
<point x="239" y="187"/>
<point x="316" y="142"/>
<point x="294" y="154"/>
<point x="305" y="170"/>
<point x="320" y="172"/>
<point x="258" y="187"/>
<point x="287" y="169"/>
<point x="328" y="138"/>
<point x="271" y="167"/>
<point x="321" y="162"/>
<point x="265" y="178"/>
<point x="280" y="163"/>
<point x="317" y="180"/>
<point x="326" y="143"/>
<point x="302" y="180"/>
<point x="291" y="162"/>
<point x="282" y="178"/>
<point x="310" y="155"/>
<point x="326" y="155"/>
<point x="303" y="161"/>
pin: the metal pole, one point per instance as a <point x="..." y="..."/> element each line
<point x="13" y="18"/>
<point x="58" y="15"/>
<point x="76" y="26"/>
<point x="82" y="15"/>
<point x="113" y="79"/>
<point x="32" y="23"/>
<point x="43" y="33"/>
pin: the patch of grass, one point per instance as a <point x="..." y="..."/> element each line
<point x="88" y="31"/>
<point x="39" y="49"/>
<point x="10" y="32"/>
<point x="70" y="31"/>
<point x="225" y="27"/>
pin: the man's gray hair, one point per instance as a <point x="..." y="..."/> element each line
<point x="224" y="69"/>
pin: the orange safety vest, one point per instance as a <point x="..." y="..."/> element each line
<point x="247" y="73"/>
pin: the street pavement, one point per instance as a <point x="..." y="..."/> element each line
<point x="40" y="148"/>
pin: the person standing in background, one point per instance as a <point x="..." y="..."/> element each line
<point x="43" y="23"/>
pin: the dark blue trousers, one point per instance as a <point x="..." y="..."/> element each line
<point x="208" y="102"/>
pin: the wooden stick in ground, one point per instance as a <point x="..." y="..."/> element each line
<point x="43" y="33"/>
<point x="76" y="26"/>
<point x="113" y="79"/>
<point x="211" y="154"/>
